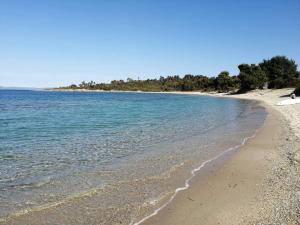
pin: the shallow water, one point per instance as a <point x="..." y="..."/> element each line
<point x="110" y="156"/>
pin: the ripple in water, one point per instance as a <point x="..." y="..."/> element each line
<point x="108" y="157"/>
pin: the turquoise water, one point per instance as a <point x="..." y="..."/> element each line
<point x="55" y="145"/>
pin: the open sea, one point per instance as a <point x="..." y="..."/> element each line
<point x="108" y="157"/>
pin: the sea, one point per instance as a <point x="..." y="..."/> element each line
<point x="109" y="157"/>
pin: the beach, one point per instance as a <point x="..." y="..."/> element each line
<point x="150" y="113"/>
<point x="257" y="185"/>
<point x="110" y="157"/>
<point x="253" y="182"/>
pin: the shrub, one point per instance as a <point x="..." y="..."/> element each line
<point x="225" y="83"/>
<point x="251" y="77"/>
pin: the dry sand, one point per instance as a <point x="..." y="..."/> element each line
<point x="271" y="97"/>
<point x="259" y="184"/>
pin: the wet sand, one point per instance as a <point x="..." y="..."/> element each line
<point x="228" y="195"/>
<point x="257" y="185"/>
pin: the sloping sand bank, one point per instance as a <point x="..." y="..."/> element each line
<point x="259" y="184"/>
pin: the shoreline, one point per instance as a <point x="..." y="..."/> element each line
<point x="289" y="129"/>
<point x="223" y="204"/>
<point x="49" y="211"/>
<point x="194" y="174"/>
<point x="195" y="185"/>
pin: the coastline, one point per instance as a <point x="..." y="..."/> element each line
<point x="273" y="194"/>
<point x="218" y="174"/>
<point x="257" y="185"/>
<point x="93" y="206"/>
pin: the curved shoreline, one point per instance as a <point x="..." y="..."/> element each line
<point x="258" y="185"/>
<point x="193" y="182"/>
<point x="193" y="174"/>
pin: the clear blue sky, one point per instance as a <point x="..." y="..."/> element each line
<point x="46" y="43"/>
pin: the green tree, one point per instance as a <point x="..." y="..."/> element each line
<point x="73" y="86"/>
<point x="226" y="83"/>
<point x="281" y="71"/>
<point x="251" y="77"/>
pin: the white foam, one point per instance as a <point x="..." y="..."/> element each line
<point x="193" y="173"/>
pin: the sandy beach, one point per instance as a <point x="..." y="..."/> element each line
<point x="150" y="112"/>
<point x="257" y="185"/>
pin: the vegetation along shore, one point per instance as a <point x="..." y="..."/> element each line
<point x="259" y="184"/>
<point x="274" y="73"/>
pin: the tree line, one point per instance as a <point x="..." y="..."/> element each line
<point x="277" y="72"/>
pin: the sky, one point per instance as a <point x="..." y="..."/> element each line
<point x="50" y="43"/>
